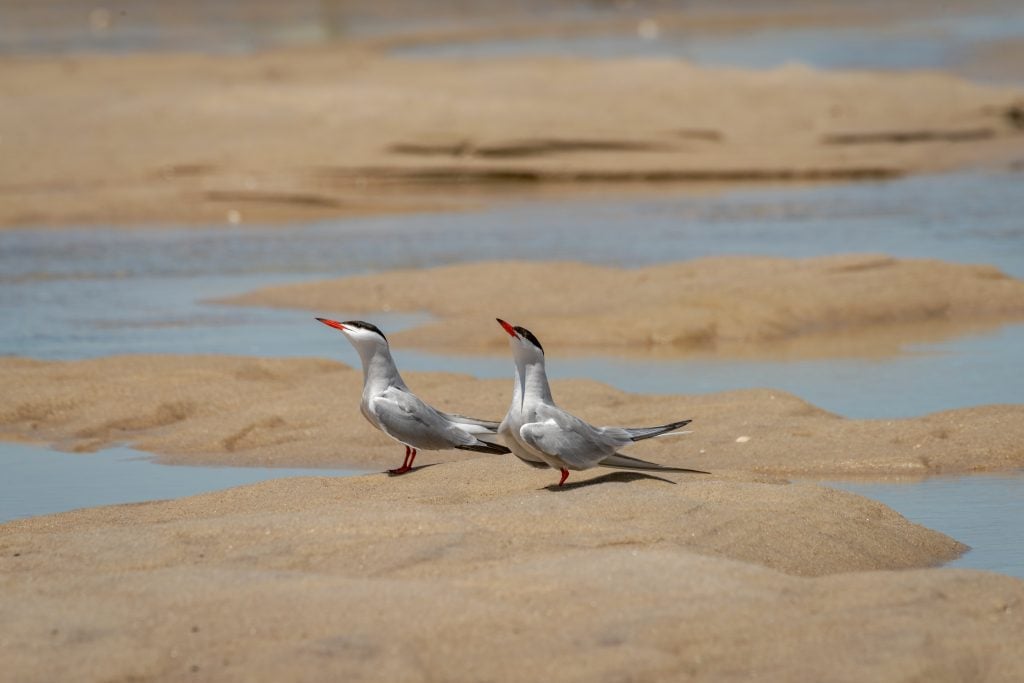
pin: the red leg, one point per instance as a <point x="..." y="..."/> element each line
<point x="565" y="475"/>
<point x="406" y="464"/>
<point x="409" y="466"/>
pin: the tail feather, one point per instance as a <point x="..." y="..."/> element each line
<point x="625" y="462"/>
<point x="484" y="447"/>
<point x="489" y="425"/>
<point x="641" y="433"/>
<point x="666" y="434"/>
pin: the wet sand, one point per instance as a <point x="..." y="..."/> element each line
<point x="474" y="568"/>
<point x="472" y="571"/>
<point x="481" y="569"/>
<point x="835" y="305"/>
<point x="304" y="413"/>
<point x="301" y="134"/>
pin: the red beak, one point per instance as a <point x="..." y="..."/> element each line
<point x="508" y="328"/>
<point x="332" y="323"/>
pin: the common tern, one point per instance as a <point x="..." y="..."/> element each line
<point x="389" y="406"/>
<point x="543" y="435"/>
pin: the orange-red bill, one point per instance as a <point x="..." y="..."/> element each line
<point x="332" y="323"/>
<point x="508" y="328"/>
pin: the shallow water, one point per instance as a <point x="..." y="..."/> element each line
<point x="68" y="294"/>
<point x="941" y="42"/>
<point x="946" y="40"/>
<point x="40" y="481"/>
<point x="984" y="511"/>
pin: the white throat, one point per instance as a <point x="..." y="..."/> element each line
<point x="532" y="379"/>
<point x="379" y="369"/>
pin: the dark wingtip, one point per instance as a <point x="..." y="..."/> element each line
<point x="683" y="469"/>
<point x="484" y="447"/>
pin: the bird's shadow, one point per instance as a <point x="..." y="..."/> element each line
<point x="610" y="478"/>
<point x="392" y="473"/>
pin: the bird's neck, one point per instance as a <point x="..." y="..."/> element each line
<point x="534" y="380"/>
<point x="379" y="369"/>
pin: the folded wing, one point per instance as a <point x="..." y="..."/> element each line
<point x="404" y="417"/>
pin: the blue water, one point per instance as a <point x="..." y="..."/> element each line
<point x="966" y="217"/>
<point x="68" y="294"/>
<point x="945" y="41"/>
<point x="39" y="481"/>
<point x="984" y="511"/>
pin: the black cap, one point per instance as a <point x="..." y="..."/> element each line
<point x="526" y="334"/>
<point x="365" y="326"/>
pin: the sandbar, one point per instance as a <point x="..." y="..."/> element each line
<point x="847" y="304"/>
<point x="300" y="134"/>
<point x="228" y="410"/>
<point x="470" y="571"/>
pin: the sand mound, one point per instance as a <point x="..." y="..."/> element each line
<point x="469" y="572"/>
<point x="344" y="132"/>
<point x="724" y="304"/>
<point x="304" y="412"/>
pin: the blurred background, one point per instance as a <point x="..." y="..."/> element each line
<point x="982" y="39"/>
<point x="89" y="288"/>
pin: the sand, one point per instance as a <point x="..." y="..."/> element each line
<point x="299" y="134"/>
<point x="854" y="304"/>
<point x="475" y="568"/>
<point x="469" y="572"/>
<point x="304" y="412"/>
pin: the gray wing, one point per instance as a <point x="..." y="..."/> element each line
<point x="567" y="437"/>
<point x="511" y="439"/>
<point x="640" y="433"/>
<point x="484" y="426"/>
<point x="404" y="417"/>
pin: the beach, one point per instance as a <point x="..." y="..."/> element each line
<point x="304" y="413"/>
<point x="475" y="570"/>
<point x="313" y="133"/>
<point x="182" y="192"/>
<point x="729" y="305"/>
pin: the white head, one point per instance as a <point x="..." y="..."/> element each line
<point x="365" y="337"/>
<point x="526" y="347"/>
<point x="358" y="332"/>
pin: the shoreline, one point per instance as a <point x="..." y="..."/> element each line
<point x="314" y="576"/>
<point x="298" y="135"/>
<point x="230" y="410"/>
<point x="729" y="306"/>
<point x="476" y="567"/>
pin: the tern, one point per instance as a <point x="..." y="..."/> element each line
<point x="543" y="435"/>
<point x="389" y="406"/>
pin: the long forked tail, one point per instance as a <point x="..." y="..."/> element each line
<point x="464" y="420"/>
<point x="485" y="447"/>
<point x="624" y="462"/>
<point x="641" y="433"/>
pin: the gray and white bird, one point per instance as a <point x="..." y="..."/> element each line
<point x="543" y="435"/>
<point x="389" y="406"/>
